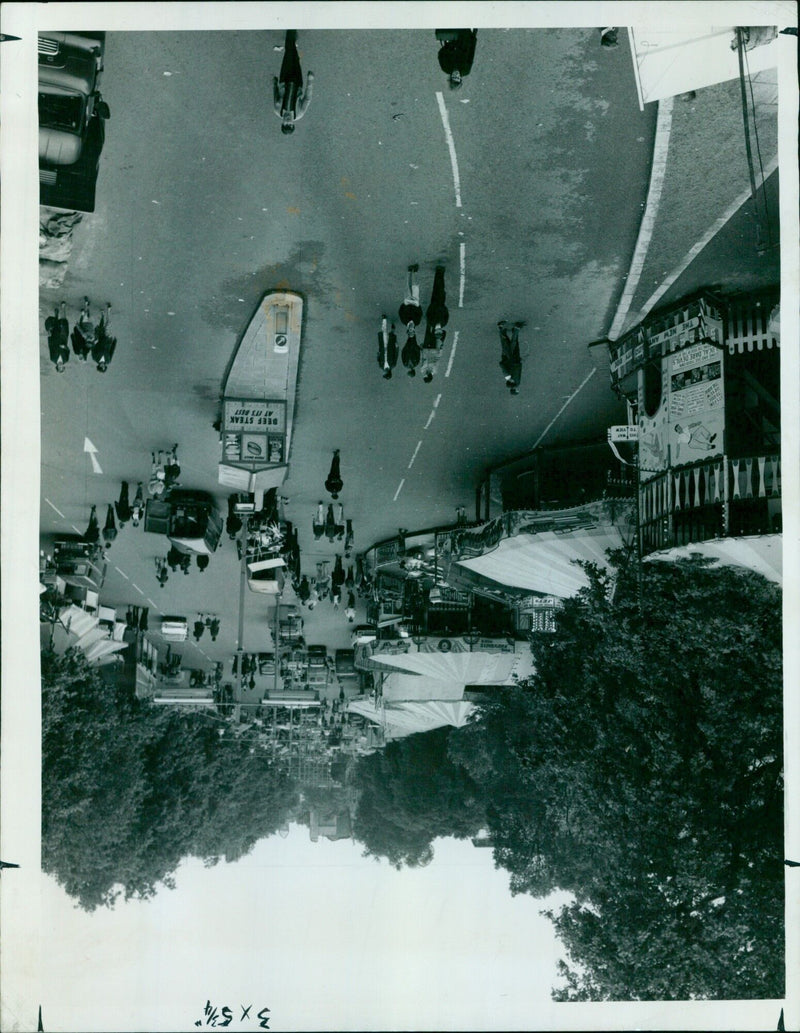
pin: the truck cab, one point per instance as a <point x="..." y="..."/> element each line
<point x="72" y="113"/>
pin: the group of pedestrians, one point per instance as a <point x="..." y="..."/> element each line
<point x="164" y="472"/>
<point x="210" y="621"/>
<point x="413" y="355"/>
<point x="291" y="97"/>
<point x="333" y="524"/>
<point x="88" y="337"/>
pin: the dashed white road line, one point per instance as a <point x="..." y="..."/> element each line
<point x="433" y="411"/>
<point x="419" y="445"/>
<point x="452" y="354"/>
<point x="137" y="588"/>
<point x="438" y="399"/>
<point x="399" y="489"/>
<point x="152" y="603"/>
<point x="50" y="504"/>
<point x="462" y="248"/>
<point x="122" y="572"/>
<point x="451" y="146"/>
<point x="580" y="387"/>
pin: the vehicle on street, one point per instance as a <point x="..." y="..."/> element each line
<point x="189" y="519"/>
<point x="72" y="116"/>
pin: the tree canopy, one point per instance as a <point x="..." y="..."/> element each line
<point x="411" y="793"/>
<point x="639" y="769"/>
<point x="130" y="789"/>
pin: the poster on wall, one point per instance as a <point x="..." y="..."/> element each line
<point x="696" y="404"/>
<point x="654" y="432"/>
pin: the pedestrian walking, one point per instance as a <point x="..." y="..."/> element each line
<point x="350" y="579"/>
<point x="350" y="611"/>
<point x="123" y="506"/>
<point x="174" y="558"/>
<point x="289" y="100"/>
<point x="162" y="571"/>
<point x="410" y="356"/>
<point x="92" y="534"/>
<point x="330" y="523"/>
<point x="510" y="361"/>
<point x="110" y="526"/>
<point x="334" y="483"/>
<point x="387" y="348"/>
<point x="318" y="521"/>
<point x="57" y="329"/>
<point x="410" y="311"/>
<point x="138" y="505"/>
<point x="456" y="53"/>
<point x="304" y="590"/>
<point x="437" y="313"/>
<point x="213" y="628"/>
<point x="348" y="541"/>
<point x="83" y="333"/>
<point x="104" y="345"/>
<point x="199" y="628"/>
<point x="340" y="528"/>
<point x="186" y="563"/>
<point x="336" y="596"/>
<point x="202" y="563"/>
<point x="338" y="575"/>
<point x="143" y="618"/>
<point x="157" y="483"/>
<point x="172" y="469"/>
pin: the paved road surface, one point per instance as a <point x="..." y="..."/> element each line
<point x="204" y="205"/>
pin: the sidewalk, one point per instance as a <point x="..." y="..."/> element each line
<point x="703" y="181"/>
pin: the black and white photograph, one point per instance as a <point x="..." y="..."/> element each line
<point x="446" y="681"/>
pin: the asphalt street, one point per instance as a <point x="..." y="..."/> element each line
<point x="203" y="206"/>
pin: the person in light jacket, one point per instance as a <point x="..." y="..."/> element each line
<point x="289" y="100"/>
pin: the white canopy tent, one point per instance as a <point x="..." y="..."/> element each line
<point x="401" y="719"/>
<point x="545" y="562"/>
<point x="478" y="668"/>
<point x="761" y="553"/>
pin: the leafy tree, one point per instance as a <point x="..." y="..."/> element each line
<point x="641" y="769"/>
<point x="410" y="793"/>
<point x="130" y="789"/>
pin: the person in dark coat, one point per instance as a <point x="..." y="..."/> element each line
<point x="172" y="469"/>
<point x="174" y="558"/>
<point x="92" y="534"/>
<point x="202" y="563"/>
<point x="213" y="627"/>
<point x="304" y="590"/>
<point x="110" y="526"/>
<point x="163" y="572"/>
<point x="387" y="348"/>
<point x="57" y="329"/>
<point x="338" y="575"/>
<point x="123" y="506"/>
<point x="334" y="482"/>
<point x="233" y="524"/>
<point x="186" y="563"/>
<point x="143" y="624"/>
<point x="510" y="361"/>
<point x="456" y="53"/>
<point x="104" y="345"/>
<point x="437" y="312"/>
<point x="83" y="333"/>
<point x="411" y="354"/>
<point x="289" y="100"/>
<point x="199" y="628"/>
<point x="138" y="505"/>
<point x="330" y="524"/>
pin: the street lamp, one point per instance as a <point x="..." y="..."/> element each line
<point x="242" y="509"/>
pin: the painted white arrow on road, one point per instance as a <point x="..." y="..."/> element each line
<point x="90" y="448"/>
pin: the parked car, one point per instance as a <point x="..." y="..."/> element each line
<point x="72" y="116"/>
